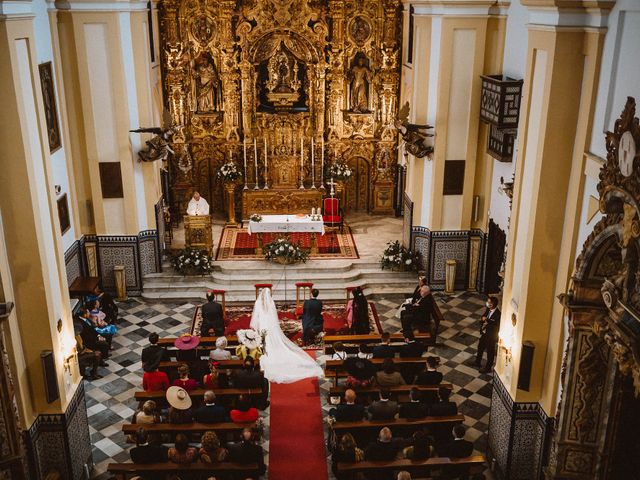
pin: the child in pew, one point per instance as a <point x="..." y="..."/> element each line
<point x="338" y="352"/>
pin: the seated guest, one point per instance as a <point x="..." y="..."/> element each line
<point x="147" y="415"/>
<point x="358" y="313"/>
<point x="220" y="352"/>
<point x="210" y="412"/>
<point x="388" y="376"/>
<point x="349" y="411"/>
<point x="144" y="452"/>
<point x="338" y="352"/>
<point x="364" y="352"/>
<point x="361" y="372"/>
<point x="383" y="409"/>
<point x="180" y="406"/>
<point x="91" y="338"/>
<point x="404" y="475"/>
<point x="345" y="451"/>
<point x="184" y="381"/>
<point x="88" y="358"/>
<point x="384" y="449"/>
<point x="212" y="318"/>
<point x="443" y="408"/>
<point x="411" y="347"/>
<point x="247" y="451"/>
<point x="384" y="349"/>
<point x="248" y="376"/>
<point x="458" y="447"/>
<point x="250" y="344"/>
<point x="100" y="320"/>
<point x="430" y="375"/>
<point x="215" y="378"/>
<point x="244" y="412"/>
<point x="182" y="453"/>
<point x="187" y="348"/>
<point x="153" y="379"/>
<point x="421" y="446"/>
<point x="211" y="451"/>
<point x="153" y="353"/>
<point x="108" y="306"/>
<point x="420" y="312"/>
<point x="415" y="408"/>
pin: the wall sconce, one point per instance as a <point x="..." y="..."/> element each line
<point x="506" y="344"/>
<point x="66" y="361"/>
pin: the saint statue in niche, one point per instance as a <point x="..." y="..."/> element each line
<point x="207" y="81"/>
<point x="360" y="77"/>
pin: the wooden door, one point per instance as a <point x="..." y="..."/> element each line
<point x="357" y="190"/>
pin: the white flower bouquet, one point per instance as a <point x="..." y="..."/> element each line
<point x="229" y="172"/>
<point x="191" y="261"/>
<point x="255" y="217"/>
<point x="283" y="250"/>
<point x="340" y="171"/>
<point x="397" y="257"/>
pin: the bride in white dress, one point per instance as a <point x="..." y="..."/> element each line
<point x="283" y="361"/>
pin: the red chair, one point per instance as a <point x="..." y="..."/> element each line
<point x="333" y="215"/>
<point x="303" y="292"/>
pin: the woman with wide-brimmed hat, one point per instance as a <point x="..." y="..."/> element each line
<point x="180" y="405"/>
<point x="250" y="344"/>
<point x="187" y="346"/>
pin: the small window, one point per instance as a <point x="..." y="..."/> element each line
<point x="410" y="39"/>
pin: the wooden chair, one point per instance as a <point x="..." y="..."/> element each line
<point x="260" y="286"/>
<point x="303" y="292"/>
<point x="332" y="214"/>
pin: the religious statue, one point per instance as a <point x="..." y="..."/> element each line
<point x="360" y="76"/>
<point x="158" y="147"/>
<point x="283" y="85"/>
<point x="415" y="136"/>
<point x="207" y="82"/>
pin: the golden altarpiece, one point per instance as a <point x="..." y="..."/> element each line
<point x="284" y="88"/>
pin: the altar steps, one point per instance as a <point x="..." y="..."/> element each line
<point x="238" y="278"/>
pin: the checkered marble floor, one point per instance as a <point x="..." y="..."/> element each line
<point x="110" y="401"/>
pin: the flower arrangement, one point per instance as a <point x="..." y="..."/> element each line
<point x="191" y="261"/>
<point x="229" y="172"/>
<point x="396" y="256"/>
<point x="255" y="217"/>
<point x="283" y="250"/>
<point x="340" y="171"/>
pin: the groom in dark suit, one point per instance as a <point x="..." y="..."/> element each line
<point x="212" y="318"/>
<point x="312" y="321"/>
<point x="489" y="329"/>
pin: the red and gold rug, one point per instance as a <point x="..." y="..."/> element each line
<point x="335" y="320"/>
<point x="237" y="244"/>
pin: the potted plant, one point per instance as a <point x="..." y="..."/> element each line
<point x="229" y="173"/>
<point x="399" y="258"/>
<point x="284" y="251"/>
<point x="191" y="261"/>
<point x="340" y="171"/>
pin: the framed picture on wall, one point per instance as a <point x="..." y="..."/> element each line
<point x="50" y="107"/>
<point x="63" y="214"/>
<point x="111" y="180"/>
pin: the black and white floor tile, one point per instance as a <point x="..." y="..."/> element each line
<point x="110" y="401"/>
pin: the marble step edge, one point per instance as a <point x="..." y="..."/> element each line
<point x="244" y="265"/>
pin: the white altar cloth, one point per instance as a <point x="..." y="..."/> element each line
<point x="286" y="224"/>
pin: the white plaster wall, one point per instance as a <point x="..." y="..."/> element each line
<point x="44" y="52"/>
<point x="499" y="203"/>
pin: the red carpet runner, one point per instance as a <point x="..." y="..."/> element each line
<point x="296" y="440"/>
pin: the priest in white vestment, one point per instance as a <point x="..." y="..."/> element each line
<point x="197" y="205"/>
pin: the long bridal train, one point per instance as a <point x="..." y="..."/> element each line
<point x="283" y="361"/>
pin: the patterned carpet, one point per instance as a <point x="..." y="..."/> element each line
<point x="110" y="400"/>
<point x="237" y="244"/>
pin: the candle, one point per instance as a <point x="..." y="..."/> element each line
<point x="244" y="148"/>
<point x="301" y="163"/>
<point x="313" y="164"/>
<point x="255" y="156"/>
<point x="230" y="157"/>
<point x="265" y="164"/>
<point x="322" y="164"/>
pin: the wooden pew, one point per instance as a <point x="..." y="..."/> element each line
<point x="397" y="391"/>
<point x="419" y="468"/>
<point x="396" y="423"/>
<point x="351" y="342"/>
<point x="189" y="429"/>
<point x="142" y="396"/>
<point x="123" y="471"/>
<point x="333" y="368"/>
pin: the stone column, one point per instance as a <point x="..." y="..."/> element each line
<point x="553" y="136"/>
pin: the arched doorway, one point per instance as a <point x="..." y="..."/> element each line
<point x="358" y="189"/>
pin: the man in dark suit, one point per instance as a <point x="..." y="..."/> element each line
<point x="384" y="449"/>
<point x="91" y="338"/>
<point x="415" y="408"/>
<point x="383" y="409"/>
<point x="247" y="452"/>
<point x="410" y="349"/>
<point x="349" y="411"/>
<point x="420" y="313"/>
<point x="444" y="407"/>
<point x="430" y="375"/>
<point x="153" y="353"/>
<point x="459" y="447"/>
<point x="210" y="412"/>
<point x="145" y="453"/>
<point x="312" y="321"/>
<point x="212" y="318"/>
<point x="384" y="348"/>
<point x="251" y="377"/>
<point x="489" y="329"/>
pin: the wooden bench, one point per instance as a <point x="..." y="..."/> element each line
<point x="398" y="390"/>
<point x="188" y="429"/>
<point x="351" y="342"/>
<point x="223" y="364"/>
<point x="334" y="368"/>
<point x="142" y="396"/>
<point x="123" y="471"/>
<point x="469" y="465"/>
<point x="396" y="423"/>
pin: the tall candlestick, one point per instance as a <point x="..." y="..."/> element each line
<point x="266" y="181"/>
<point x="313" y="164"/>
<point x="301" y="163"/>
<point x="322" y="164"/>
<point x="255" y="156"/>
<point x="230" y="157"/>
<point x="244" y="148"/>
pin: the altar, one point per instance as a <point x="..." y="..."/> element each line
<point x="287" y="224"/>
<point x="272" y="201"/>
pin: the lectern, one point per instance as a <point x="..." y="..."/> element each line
<point x="197" y="232"/>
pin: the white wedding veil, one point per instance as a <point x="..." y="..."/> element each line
<point x="283" y="361"/>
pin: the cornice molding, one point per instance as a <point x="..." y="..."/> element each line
<point x="464" y="8"/>
<point x="16" y="9"/>
<point x="101" y="5"/>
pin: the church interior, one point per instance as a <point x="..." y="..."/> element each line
<point x="441" y="198"/>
